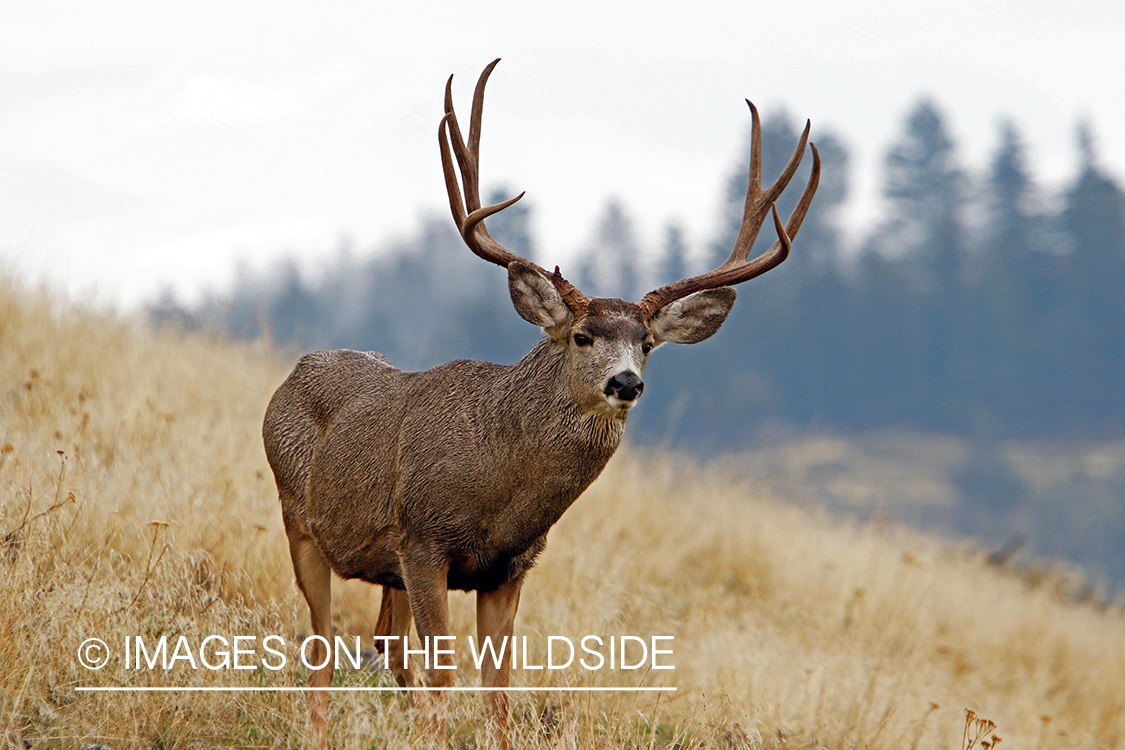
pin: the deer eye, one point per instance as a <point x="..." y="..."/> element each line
<point x="582" y="339"/>
<point x="646" y="347"/>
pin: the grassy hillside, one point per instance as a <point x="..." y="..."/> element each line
<point x="135" y="500"/>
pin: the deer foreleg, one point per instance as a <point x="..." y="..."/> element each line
<point x="428" y="595"/>
<point x="496" y="617"/>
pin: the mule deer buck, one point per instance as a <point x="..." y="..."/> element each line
<point x="419" y="481"/>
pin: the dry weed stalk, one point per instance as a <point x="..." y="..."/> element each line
<point x="150" y="565"/>
<point x="922" y="725"/>
<point x="976" y="728"/>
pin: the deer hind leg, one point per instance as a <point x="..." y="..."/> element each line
<point x="428" y="596"/>
<point x="314" y="578"/>
<point x="394" y="620"/>
<point x="496" y="617"/>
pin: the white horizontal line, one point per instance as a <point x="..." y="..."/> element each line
<point x="169" y="689"/>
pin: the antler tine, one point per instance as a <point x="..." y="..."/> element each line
<point x="798" y="216"/>
<point x="456" y="203"/>
<point x="757" y="200"/>
<point x="478" y="109"/>
<point x="467" y="161"/>
<point x="779" y="250"/>
<point x="736" y="269"/>
<point x="467" y="211"/>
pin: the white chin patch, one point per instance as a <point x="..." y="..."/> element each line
<point x="613" y="405"/>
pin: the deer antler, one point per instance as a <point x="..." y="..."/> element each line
<point x="736" y="269"/>
<point x="467" y="212"/>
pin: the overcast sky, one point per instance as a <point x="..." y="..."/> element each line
<point x="146" y="144"/>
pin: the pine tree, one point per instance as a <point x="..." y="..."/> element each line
<point x="1015" y="291"/>
<point x="1093" y="308"/>
<point x="673" y="260"/>
<point x="609" y="266"/>
<point x="926" y="187"/>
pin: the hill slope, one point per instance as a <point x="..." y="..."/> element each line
<point x="135" y="501"/>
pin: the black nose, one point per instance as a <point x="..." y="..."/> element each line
<point x="625" y="385"/>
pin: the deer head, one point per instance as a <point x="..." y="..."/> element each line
<point x="608" y="340"/>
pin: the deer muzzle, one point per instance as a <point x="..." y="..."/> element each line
<point x="625" y="386"/>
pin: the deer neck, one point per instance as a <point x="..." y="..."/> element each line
<point x="550" y="405"/>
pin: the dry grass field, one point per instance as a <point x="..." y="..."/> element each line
<point x="135" y="500"/>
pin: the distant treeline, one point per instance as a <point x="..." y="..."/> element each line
<point x="982" y="305"/>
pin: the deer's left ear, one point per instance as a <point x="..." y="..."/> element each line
<point x="694" y="318"/>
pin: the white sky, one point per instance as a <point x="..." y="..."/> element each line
<point x="144" y="144"/>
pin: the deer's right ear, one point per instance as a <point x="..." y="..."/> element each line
<point x="536" y="299"/>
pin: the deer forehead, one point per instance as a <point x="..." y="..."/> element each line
<point x="616" y="319"/>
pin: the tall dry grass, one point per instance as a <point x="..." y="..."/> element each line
<point x="135" y="500"/>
